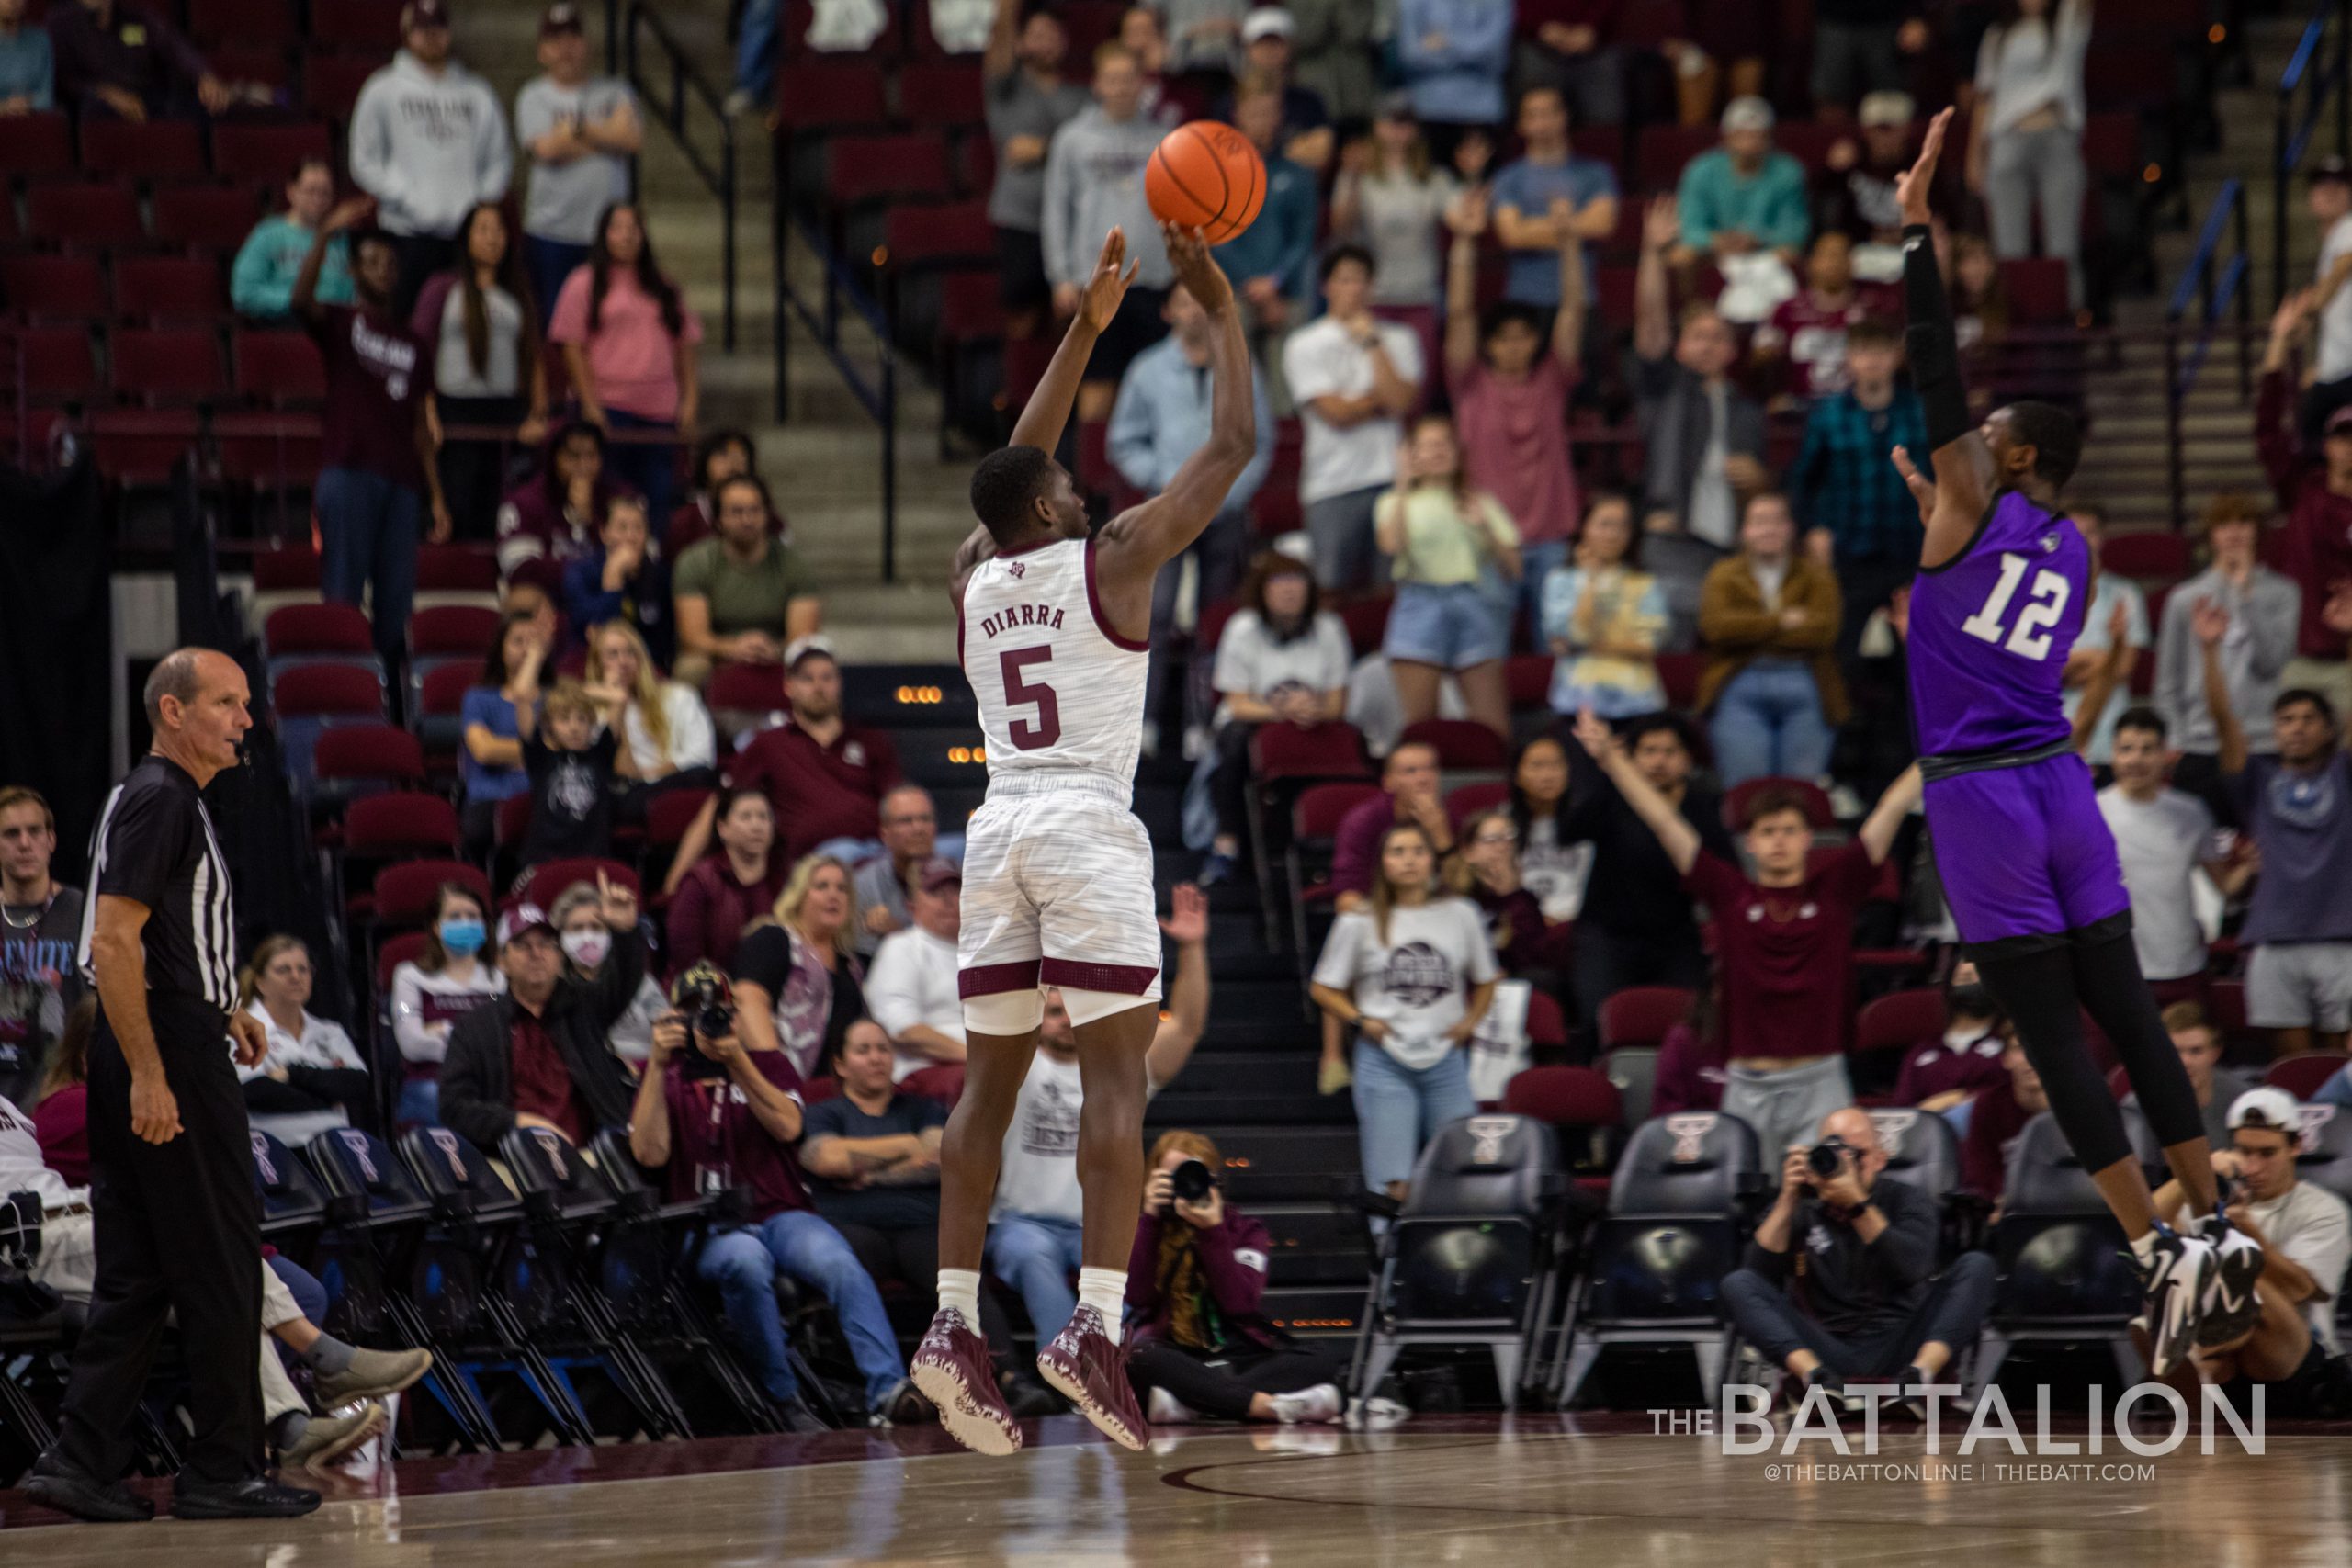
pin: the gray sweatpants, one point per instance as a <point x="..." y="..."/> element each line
<point x="1786" y="1106"/>
<point x="2026" y="170"/>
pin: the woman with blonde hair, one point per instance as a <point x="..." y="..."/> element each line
<point x="667" y="739"/>
<point x="312" y="1077"/>
<point x="1414" y="975"/>
<point x="1455" y="550"/>
<point x="799" y="984"/>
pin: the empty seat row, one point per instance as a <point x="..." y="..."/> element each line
<point x="265" y="151"/>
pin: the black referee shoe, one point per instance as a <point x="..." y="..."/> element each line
<point x="256" y="1497"/>
<point x="55" y="1483"/>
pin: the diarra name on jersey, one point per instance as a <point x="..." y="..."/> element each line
<point x="1014" y="617"/>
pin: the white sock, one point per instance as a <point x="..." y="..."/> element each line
<point x="2144" y="1246"/>
<point x="1104" y="1290"/>
<point x="960" y="1289"/>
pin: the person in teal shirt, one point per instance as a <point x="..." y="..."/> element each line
<point x="261" y="285"/>
<point x="1744" y="196"/>
<point x="27" y="70"/>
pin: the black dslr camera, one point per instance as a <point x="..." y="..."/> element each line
<point x="703" y="997"/>
<point x="1827" y="1156"/>
<point x="1190" y="1181"/>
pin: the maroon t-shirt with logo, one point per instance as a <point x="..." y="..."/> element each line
<point x="1785" y="953"/>
<point x="716" y="1143"/>
<point x="375" y="371"/>
<point x="820" y="792"/>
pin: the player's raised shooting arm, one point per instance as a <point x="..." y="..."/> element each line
<point x="1147" y="537"/>
<point x="1964" y="465"/>
<point x="1049" y="409"/>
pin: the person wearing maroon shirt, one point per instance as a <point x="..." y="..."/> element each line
<point x="720" y="1116"/>
<point x="1946" y="1072"/>
<point x="2316" y="489"/>
<point x="377" y="465"/>
<point x="536" y="1057"/>
<point x="1783" y="941"/>
<point x="824" y="776"/>
<point x="1803" y="347"/>
<point x="1996" y="1117"/>
<point x="1408" y="784"/>
<point x="729" y="891"/>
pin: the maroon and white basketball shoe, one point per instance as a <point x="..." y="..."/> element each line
<point x="952" y="1368"/>
<point x="1091" y="1372"/>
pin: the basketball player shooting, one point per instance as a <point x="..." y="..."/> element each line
<point x="2027" y="863"/>
<point x="1057" y="872"/>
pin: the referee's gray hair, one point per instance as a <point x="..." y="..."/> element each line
<point x="174" y="675"/>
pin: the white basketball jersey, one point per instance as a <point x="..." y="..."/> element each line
<point x="1059" y="690"/>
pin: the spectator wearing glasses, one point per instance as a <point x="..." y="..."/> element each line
<point x="720" y="456"/>
<point x="884" y="884"/>
<point x="261" y="281"/>
<point x="2289" y="1343"/>
<point x="1280" y="660"/>
<point x="311" y="1077"/>
<point x="40" y="928"/>
<point x="725" y="893"/>
<point x="1515" y="925"/>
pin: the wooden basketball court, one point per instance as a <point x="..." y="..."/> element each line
<point x="1489" y="1490"/>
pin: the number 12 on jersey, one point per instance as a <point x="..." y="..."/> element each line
<point x="1048" y="727"/>
<point x="2030" y="638"/>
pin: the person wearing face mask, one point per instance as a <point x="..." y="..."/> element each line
<point x="586" y="942"/>
<point x="311" y="1077"/>
<point x="1943" y="1074"/>
<point x="431" y="992"/>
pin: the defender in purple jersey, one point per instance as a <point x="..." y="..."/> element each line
<point x="2027" y="863"/>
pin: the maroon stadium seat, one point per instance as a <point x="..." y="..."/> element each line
<point x="281" y="570"/>
<point x="453" y="630"/>
<point x="2157" y="556"/>
<point x="369" y="751"/>
<point x="405" y="892"/>
<point x="944" y="97"/>
<point x="405" y="948"/>
<point x="213" y="217"/>
<point x="160" y="149"/>
<point x="831" y="97"/>
<point x="331" y="84"/>
<point x="1817" y="809"/>
<point x="548" y="882"/>
<point x="455" y="569"/>
<point x="669" y="814"/>
<point x="405" y="824"/>
<point x="141" y="446"/>
<point x="1465" y="801"/>
<point x="280" y="367"/>
<point x="2037" y="289"/>
<point x="59" y="366"/>
<point x="877" y="168"/>
<point x="86" y="214"/>
<point x="317" y="629"/>
<point x="169" y="365"/>
<point x="1665" y="149"/>
<point x="2302" y="1075"/>
<point x="914" y="235"/>
<point x="372" y="26"/>
<point x="971" y="308"/>
<point x="1547" y="1027"/>
<point x="1900" y="1019"/>
<point x="1678" y="673"/>
<point x="1460" y="743"/>
<point x="445" y="690"/>
<point x="249" y="22"/>
<point x="1640" y="1015"/>
<point x="944" y="1083"/>
<point x="269" y="451"/>
<point x="170" y="289"/>
<point x="1321" y="807"/>
<point x="745" y="688"/>
<point x="268" y="154"/>
<point x="37" y="144"/>
<point x="1527" y="682"/>
<point x="1332" y="751"/>
<point x="1564" y="1097"/>
<point x="1367" y="622"/>
<point x="327" y="691"/>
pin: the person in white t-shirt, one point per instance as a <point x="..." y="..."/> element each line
<point x="2331" y="204"/>
<point x="451" y="977"/>
<point x="2163" y="837"/>
<point x="1413" y="974"/>
<point x="1280" y="660"/>
<point x="2285" y="1338"/>
<point x="1034" y="1228"/>
<point x="1354" y="378"/>
<point x="312" y="1077"/>
<point x="911" y="989"/>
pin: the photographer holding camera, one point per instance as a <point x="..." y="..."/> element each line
<point x="720" y="1116"/>
<point x="1194" y="1282"/>
<point x="1863" y="1251"/>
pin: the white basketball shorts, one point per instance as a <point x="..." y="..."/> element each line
<point x="1057" y="891"/>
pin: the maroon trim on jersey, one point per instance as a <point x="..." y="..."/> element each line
<point x="1103" y="623"/>
<point x="993" y="979"/>
<point x="1125" y="980"/>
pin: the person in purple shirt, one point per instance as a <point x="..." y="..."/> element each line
<point x="1408" y="784"/>
<point x="2029" y="866"/>
<point x="376" y="468"/>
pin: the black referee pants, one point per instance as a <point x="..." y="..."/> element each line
<point x="178" y="1229"/>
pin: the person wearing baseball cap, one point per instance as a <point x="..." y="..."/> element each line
<point x="2281" y="1332"/>
<point x="580" y="132"/>
<point x="1744" y="196"/>
<point x="1306" y="138"/>
<point x="536" y="1057"/>
<point x="428" y="141"/>
<point x="1856" y="194"/>
<point x="911" y="991"/>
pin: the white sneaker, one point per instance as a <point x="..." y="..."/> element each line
<point x="1321" y="1402"/>
<point x="2177" y="1273"/>
<point x="1166" y="1408"/>
<point x="1376" y="1414"/>
<point x="2231" y="1307"/>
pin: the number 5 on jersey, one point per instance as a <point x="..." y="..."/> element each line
<point x="2030" y="638"/>
<point x="1048" y="727"/>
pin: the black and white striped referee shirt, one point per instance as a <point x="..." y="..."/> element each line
<point x="154" y="846"/>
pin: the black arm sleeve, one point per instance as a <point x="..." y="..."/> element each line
<point x="1933" y="346"/>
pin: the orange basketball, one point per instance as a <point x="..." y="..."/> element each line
<point x="1206" y="175"/>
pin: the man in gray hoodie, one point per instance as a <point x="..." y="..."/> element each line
<point x="1093" y="184"/>
<point x="428" y="140"/>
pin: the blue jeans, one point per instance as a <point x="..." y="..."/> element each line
<point x="1767" y="722"/>
<point x="1037" y="1257"/>
<point x="650" y="470"/>
<point x="1400" y="1108"/>
<point x="805" y="1245"/>
<point x="1535" y="564"/>
<point x="368" y="531"/>
<point x="1455" y="626"/>
<point x="755" y="49"/>
<point x="549" y="262"/>
<point x="302" y="1284"/>
<point x="419" y="1104"/>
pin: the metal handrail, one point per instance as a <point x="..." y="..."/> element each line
<point x="2293" y="137"/>
<point x="2212" y="287"/>
<point x="685" y="83"/>
<point x="878" y="394"/>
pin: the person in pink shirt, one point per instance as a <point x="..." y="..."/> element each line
<point x="629" y="345"/>
<point x="1510" y="395"/>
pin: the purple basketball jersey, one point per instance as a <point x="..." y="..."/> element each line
<point x="1990" y="632"/>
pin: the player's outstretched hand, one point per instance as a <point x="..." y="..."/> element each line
<point x="1205" y="281"/>
<point x="1108" y="285"/>
<point x="1912" y="187"/>
<point x="1922" y="487"/>
<point x="1188" y="915"/>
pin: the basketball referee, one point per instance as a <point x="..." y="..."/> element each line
<point x="172" y="1194"/>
